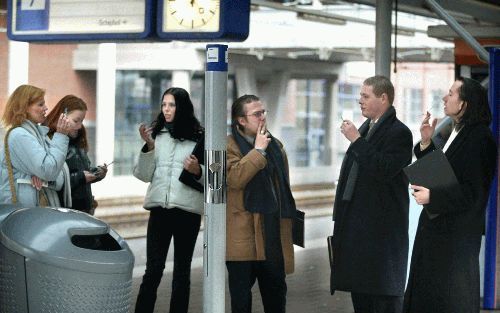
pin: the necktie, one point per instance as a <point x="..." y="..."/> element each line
<point x="370" y="127"/>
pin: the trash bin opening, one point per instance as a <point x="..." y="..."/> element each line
<point x="103" y="242"/>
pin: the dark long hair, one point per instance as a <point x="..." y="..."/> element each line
<point x="186" y="125"/>
<point x="68" y="103"/>
<point x="475" y="96"/>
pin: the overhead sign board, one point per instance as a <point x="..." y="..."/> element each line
<point x="124" y="20"/>
<point x="43" y="20"/>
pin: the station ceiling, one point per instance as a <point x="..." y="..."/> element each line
<point x="481" y="18"/>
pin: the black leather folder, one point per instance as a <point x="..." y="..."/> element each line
<point x="298" y="229"/>
<point x="431" y="171"/>
<point x="188" y="178"/>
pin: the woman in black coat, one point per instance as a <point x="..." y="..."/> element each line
<point x="81" y="174"/>
<point x="444" y="272"/>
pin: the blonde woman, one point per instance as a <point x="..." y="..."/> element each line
<point x="32" y="164"/>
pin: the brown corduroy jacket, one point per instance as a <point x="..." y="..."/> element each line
<point x="245" y="230"/>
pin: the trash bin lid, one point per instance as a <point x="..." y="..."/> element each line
<point x="66" y="238"/>
<point x="6" y="209"/>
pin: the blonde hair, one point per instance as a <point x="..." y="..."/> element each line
<point x="16" y="109"/>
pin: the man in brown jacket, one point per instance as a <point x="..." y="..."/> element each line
<point x="260" y="209"/>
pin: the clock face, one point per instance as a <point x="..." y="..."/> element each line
<point x="191" y="15"/>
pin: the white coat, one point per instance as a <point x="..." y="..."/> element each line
<point x="162" y="167"/>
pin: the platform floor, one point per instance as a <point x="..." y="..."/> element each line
<point x="308" y="287"/>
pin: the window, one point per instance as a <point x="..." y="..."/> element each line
<point x="348" y="100"/>
<point x="306" y="123"/>
<point x="348" y="108"/>
<point x="413" y="105"/>
<point x="138" y="101"/>
<point x="435" y="103"/>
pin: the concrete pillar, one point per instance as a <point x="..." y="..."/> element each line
<point x="383" y="31"/>
<point x="18" y="63"/>
<point x="246" y="81"/>
<point x="275" y="101"/>
<point x="182" y="79"/>
<point x="105" y="106"/>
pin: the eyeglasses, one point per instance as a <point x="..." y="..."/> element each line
<point x="258" y="114"/>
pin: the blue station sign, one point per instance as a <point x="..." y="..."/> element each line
<point x="53" y="20"/>
<point x="126" y="20"/>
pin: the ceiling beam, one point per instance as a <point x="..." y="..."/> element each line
<point x="327" y="15"/>
<point x="459" y="29"/>
<point x="445" y="32"/>
<point x="471" y="11"/>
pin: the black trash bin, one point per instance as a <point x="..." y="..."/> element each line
<point x="60" y="260"/>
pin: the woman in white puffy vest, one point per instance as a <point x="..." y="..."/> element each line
<point x="175" y="208"/>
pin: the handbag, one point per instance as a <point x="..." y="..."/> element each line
<point x="188" y="178"/>
<point x="298" y="229"/>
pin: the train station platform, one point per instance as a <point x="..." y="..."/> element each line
<point x="129" y="219"/>
<point x="308" y="286"/>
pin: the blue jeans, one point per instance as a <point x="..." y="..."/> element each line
<point x="162" y="226"/>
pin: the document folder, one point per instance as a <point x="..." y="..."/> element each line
<point x="298" y="229"/>
<point x="186" y="177"/>
<point x="431" y="171"/>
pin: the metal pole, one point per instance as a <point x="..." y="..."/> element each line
<point x="491" y="299"/>
<point x="383" y="30"/>
<point x="482" y="53"/>
<point x="214" y="236"/>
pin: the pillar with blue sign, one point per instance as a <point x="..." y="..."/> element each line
<point x="492" y="250"/>
<point x="214" y="236"/>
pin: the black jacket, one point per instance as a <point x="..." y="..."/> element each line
<point x="370" y="239"/>
<point x="444" y="272"/>
<point x="81" y="191"/>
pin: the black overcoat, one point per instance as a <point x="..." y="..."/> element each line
<point x="371" y="230"/>
<point x="444" y="271"/>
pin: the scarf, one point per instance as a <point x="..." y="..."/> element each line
<point x="50" y="194"/>
<point x="262" y="195"/>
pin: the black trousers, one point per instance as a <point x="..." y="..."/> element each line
<point x="269" y="273"/>
<point x="367" y="303"/>
<point x="271" y="277"/>
<point x="162" y="226"/>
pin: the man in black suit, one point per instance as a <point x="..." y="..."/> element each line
<point x="370" y="239"/>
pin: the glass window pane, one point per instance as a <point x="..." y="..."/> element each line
<point x="138" y="101"/>
<point x="304" y="124"/>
